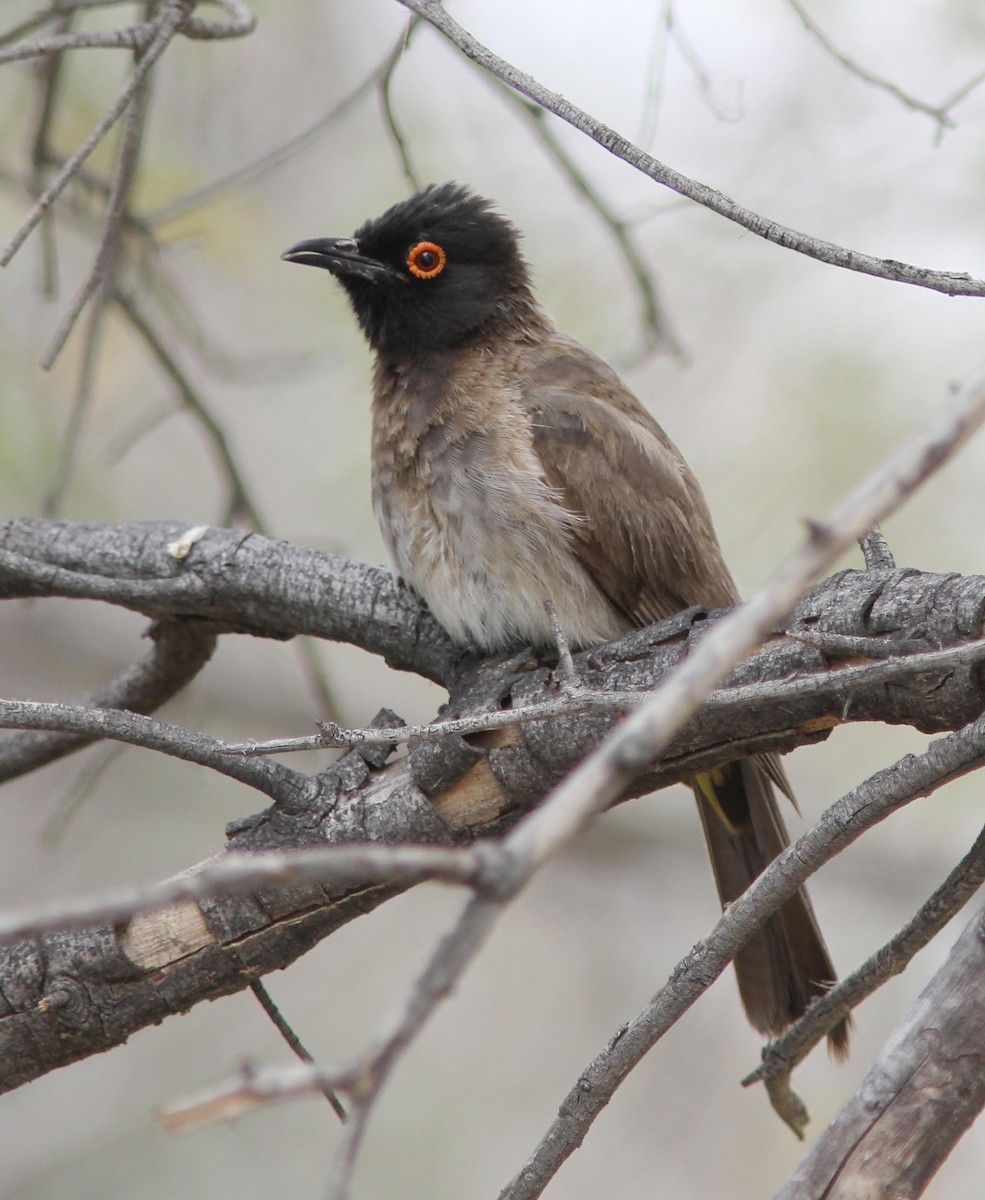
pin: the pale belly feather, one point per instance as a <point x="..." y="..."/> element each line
<point x="486" y="549"/>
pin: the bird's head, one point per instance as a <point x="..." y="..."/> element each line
<point x="428" y="274"/>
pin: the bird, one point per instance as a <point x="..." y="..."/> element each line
<point x="521" y="487"/>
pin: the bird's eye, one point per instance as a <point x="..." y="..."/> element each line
<point x="426" y="260"/>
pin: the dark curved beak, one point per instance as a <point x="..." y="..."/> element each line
<point x="341" y="256"/>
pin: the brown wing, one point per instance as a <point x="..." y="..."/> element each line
<point x="645" y="536"/>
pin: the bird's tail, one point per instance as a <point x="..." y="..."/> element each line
<point x="786" y="963"/>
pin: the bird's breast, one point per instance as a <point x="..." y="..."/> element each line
<point x="472" y="525"/>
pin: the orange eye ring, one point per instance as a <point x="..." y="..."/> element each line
<point x="426" y="260"/>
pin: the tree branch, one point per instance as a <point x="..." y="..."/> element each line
<point x="453" y="790"/>
<point x="239" y="580"/>
<point x="949" y="282"/>
<point x="91" y="724"/>
<point x="333" y="866"/>
<point x="939" y="113"/>
<point x="96" y="284"/>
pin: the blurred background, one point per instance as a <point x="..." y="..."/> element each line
<point x="792" y="380"/>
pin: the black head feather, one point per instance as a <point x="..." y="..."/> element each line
<point x="480" y="279"/>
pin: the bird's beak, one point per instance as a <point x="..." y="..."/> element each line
<point x="341" y="256"/>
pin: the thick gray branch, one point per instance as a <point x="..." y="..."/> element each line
<point x="242" y="581"/>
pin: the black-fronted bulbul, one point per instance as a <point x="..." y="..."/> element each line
<point x="512" y="467"/>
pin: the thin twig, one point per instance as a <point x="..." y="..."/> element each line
<point x="68" y="449"/>
<point x="96" y="286"/>
<point x="963" y="91"/>
<point x="143" y="424"/>
<point x="839" y="685"/>
<point x="101" y="272"/>
<point x="239" y="503"/>
<point x="670" y="30"/>
<point x="653" y="81"/>
<point x="363" y="1083"/>
<point x="270" y="778"/>
<point x="135" y="37"/>
<point x="50" y="74"/>
<point x="266" y="1002"/>
<point x="657" y="328"/>
<point x="178" y="307"/>
<point x="35" y="21"/>
<point x="262" y="166"/>
<point x="951" y="283"/>
<point x="390" y="122"/>
<point x="700" y="72"/>
<point x="315" y="675"/>
<point x="250" y="1088"/>
<point x="81" y="789"/>
<point x="937" y="112"/>
<point x="876" y="551"/>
